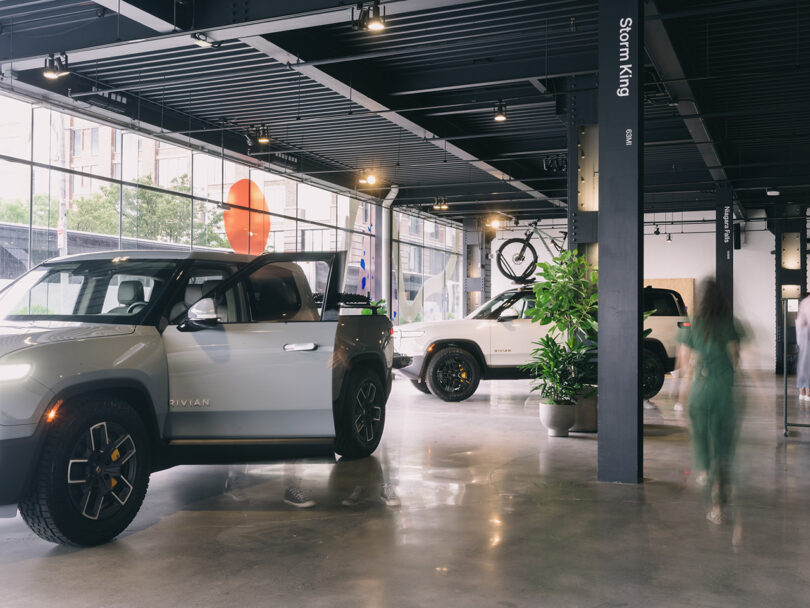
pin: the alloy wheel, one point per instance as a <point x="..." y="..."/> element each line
<point x="101" y="471"/>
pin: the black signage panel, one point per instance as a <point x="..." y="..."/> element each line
<point x="724" y="238"/>
<point x="621" y="144"/>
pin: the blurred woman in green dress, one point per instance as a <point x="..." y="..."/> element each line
<point x="708" y="354"/>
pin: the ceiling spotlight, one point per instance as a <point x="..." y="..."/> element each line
<point x="204" y="41"/>
<point x="657" y="231"/>
<point x="495" y="223"/>
<point x="369" y="17"/>
<point x="263" y="135"/>
<point x="368" y="177"/>
<point x="55" y="67"/>
<point x="771" y="191"/>
<point x="444" y="206"/>
<point x="669" y="238"/>
<point x="500" y="111"/>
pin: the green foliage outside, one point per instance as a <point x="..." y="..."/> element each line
<point x="147" y="214"/>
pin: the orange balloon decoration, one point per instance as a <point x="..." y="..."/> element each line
<point x="247" y="230"/>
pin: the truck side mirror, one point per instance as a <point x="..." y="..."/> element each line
<point x="510" y="314"/>
<point x="201" y="315"/>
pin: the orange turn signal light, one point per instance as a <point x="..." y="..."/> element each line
<point x="52" y="414"/>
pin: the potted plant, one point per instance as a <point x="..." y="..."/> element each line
<point x="556" y="369"/>
<point x="565" y="360"/>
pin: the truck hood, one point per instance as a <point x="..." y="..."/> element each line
<point x="18" y="335"/>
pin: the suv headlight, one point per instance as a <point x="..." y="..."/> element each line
<point x="18" y="371"/>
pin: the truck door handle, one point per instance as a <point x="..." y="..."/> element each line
<point x="301" y="346"/>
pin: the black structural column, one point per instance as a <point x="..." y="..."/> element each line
<point x="724" y="239"/>
<point x="621" y="143"/>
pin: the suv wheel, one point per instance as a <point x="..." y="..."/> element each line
<point x="360" y="414"/>
<point x="452" y="374"/>
<point x="92" y="475"/>
<point x="652" y="374"/>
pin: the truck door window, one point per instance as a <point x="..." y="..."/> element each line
<point x="281" y="291"/>
<point x="203" y="278"/>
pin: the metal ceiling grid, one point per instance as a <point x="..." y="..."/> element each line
<point x="480" y="32"/>
<point x="46" y="18"/>
<point x="749" y="64"/>
<point x="242" y="86"/>
<point x="430" y="82"/>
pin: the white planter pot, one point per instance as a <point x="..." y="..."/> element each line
<point x="557" y="418"/>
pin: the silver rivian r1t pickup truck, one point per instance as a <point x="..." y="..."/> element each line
<point x="115" y="365"/>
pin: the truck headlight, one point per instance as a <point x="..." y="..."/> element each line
<point x="14" y="372"/>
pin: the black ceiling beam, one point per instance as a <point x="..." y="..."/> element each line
<point x="482" y="75"/>
<point x="217" y="19"/>
<point x="663" y="56"/>
<point x="100" y="31"/>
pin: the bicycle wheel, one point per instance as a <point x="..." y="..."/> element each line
<point x="517" y="259"/>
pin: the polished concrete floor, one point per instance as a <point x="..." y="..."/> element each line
<point x="492" y="513"/>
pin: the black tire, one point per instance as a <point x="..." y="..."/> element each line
<point x="360" y="414"/>
<point x="420" y="386"/>
<point x="92" y="475"/>
<point x="516" y="262"/>
<point x="652" y="374"/>
<point x="453" y="374"/>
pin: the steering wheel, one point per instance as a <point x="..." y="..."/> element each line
<point x="135" y="307"/>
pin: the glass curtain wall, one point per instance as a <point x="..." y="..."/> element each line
<point x="427" y="274"/>
<point x="70" y="185"/>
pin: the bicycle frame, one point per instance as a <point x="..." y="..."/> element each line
<point x="542" y="235"/>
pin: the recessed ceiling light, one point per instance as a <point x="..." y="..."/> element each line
<point x="369" y="17"/>
<point x="55" y="67"/>
<point x="263" y="135"/>
<point x="204" y="41"/>
<point x="771" y="191"/>
<point x="500" y="111"/>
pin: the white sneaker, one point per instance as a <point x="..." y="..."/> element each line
<point x="355" y="498"/>
<point x="388" y="496"/>
<point x="296" y="497"/>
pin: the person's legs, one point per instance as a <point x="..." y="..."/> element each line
<point x="294" y="493"/>
<point x="700" y="439"/>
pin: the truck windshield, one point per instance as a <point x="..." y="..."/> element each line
<point x="118" y="290"/>
<point x="491" y="308"/>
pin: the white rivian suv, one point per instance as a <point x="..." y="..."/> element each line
<point x="449" y="358"/>
<point x="115" y="365"/>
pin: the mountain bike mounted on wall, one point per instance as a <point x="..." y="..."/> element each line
<point x="517" y="257"/>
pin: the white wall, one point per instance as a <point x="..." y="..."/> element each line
<point x="691" y="254"/>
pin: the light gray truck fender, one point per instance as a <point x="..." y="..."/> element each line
<point x="136" y="361"/>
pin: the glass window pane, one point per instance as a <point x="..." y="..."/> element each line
<point x="15" y="128"/>
<point x="14" y="219"/>
<point x="209" y="226"/>
<point x="156" y="219"/>
<point x="207" y="176"/>
<point x="173" y="167"/>
<point x="358" y="276"/>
